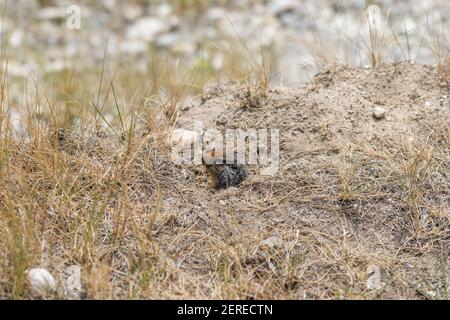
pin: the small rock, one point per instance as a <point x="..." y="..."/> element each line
<point x="409" y="25"/>
<point x="52" y="13"/>
<point x="292" y="167"/>
<point x="215" y="14"/>
<point x="373" y="281"/>
<point x="16" y="38"/>
<point x="187" y="104"/>
<point x="273" y="241"/>
<point x="132" y="12"/>
<point x="147" y="28"/>
<point x="17" y="70"/>
<point x="41" y="281"/>
<point x="280" y="7"/>
<point x="379" y="113"/>
<point x="133" y="46"/>
<point x="185" y="107"/>
<point x="168" y="40"/>
<point x="55" y="66"/>
<point x="164" y="10"/>
<point x="218" y="61"/>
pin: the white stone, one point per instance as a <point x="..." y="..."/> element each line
<point x="109" y="4"/>
<point x="409" y="25"/>
<point x="218" y="61"/>
<point x="133" y="46"/>
<point x="16" y="38"/>
<point x="215" y="14"/>
<point x="379" y="112"/>
<point x="17" y="70"/>
<point x="41" y="281"/>
<point x="147" y="28"/>
<point x="184" y="47"/>
<point x="278" y="7"/>
<point x="49" y="13"/>
<point x="131" y="12"/>
<point x="55" y="66"/>
<point x="164" y="10"/>
<point x="167" y="40"/>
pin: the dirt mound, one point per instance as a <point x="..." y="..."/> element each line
<point x="335" y="108"/>
<point x="356" y="189"/>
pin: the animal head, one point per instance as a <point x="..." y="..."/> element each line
<point x="214" y="155"/>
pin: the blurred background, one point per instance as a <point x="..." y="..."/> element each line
<point x="156" y="46"/>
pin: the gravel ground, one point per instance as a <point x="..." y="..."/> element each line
<point x="299" y="34"/>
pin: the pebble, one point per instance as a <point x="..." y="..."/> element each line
<point x="164" y="10"/>
<point x="132" y="12"/>
<point x="215" y="14"/>
<point x="50" y="13"/>
<point x="146" y="28"/>
<point x="41" y="281"/>
<point x="185" y="107"/>
<point x="378" y="113"/>
<point x="133" y="47"/>
<point x="16" y="38"/>
<point x="55" y="66"/>
<point x="279" y="7"/>
<point x="17" y="70"/>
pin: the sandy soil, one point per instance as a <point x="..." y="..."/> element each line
<point x="353" y="193"/>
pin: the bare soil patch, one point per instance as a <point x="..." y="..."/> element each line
<point x="352" y="190"/>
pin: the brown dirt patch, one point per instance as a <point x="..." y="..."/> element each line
<point x="351" y="191"/>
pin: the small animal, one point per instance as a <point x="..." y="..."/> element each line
<point x="223" y="175"/>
